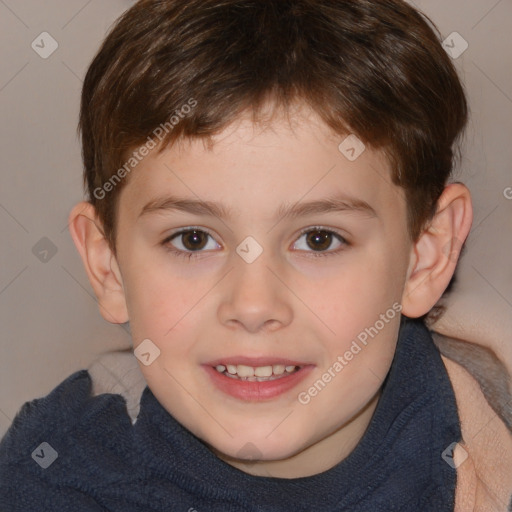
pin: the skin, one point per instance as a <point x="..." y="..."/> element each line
<point x="288" y="302"/>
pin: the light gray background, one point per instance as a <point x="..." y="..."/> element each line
<point x="50" y="323"/>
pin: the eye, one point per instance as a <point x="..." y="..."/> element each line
<point x="189" y="241"/>
<point x="320" y="240"/>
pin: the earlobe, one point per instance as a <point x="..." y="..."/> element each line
<point x="435" y="254"/>
<point x="99" y="262"/>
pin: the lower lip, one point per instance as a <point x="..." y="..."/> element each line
<point x="257" y="391"/>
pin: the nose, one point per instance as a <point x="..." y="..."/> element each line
<point x="254" y="299"/>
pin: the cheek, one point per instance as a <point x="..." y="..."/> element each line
<point x="160" y="303"/>
<point x="355" y="294"/>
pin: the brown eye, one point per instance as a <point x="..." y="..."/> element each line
<point x="194" y="240"/>
<point x="319" y="240"/>
<point x="191" y="241"/>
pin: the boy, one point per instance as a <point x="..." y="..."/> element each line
<point x="269" y="208"/>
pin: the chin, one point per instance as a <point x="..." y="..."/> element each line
<point x="256" y="448"/>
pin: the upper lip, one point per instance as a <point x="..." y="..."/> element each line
<point x="255" y="361"/>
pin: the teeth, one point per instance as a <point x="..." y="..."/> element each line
<point x="244" y="371"/>
<point x="263" y="371"/>
<point x="278" y="369"/>
<point x="252" y="374"/>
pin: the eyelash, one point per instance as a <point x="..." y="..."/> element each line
<point x="194" y="254"/>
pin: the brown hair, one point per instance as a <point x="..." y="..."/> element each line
<point x="375" y="68"/>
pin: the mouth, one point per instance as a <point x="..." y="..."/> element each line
<point x="258" y="373"/>
<point x="256" y="379"/>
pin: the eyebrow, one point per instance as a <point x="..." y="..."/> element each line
<point x="286" y="211"/>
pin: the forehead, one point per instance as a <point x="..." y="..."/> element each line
<point x="256" y="167"/>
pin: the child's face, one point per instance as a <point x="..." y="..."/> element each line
<point x="286" y="307"/>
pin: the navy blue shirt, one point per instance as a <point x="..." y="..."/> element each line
<point x="105" y="463"/>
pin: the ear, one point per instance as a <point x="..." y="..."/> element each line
<point x="435" y="255"/>
<point x="99" y="262"/>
